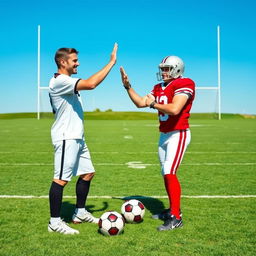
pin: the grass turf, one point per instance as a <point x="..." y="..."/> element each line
<point x="219" y="161"/>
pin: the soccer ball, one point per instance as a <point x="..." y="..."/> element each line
<point x="111" y="223"/>
<point x="133" y="211"/>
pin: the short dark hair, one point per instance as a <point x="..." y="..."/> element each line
<point x="63" y="53"/>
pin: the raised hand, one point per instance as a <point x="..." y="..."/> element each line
<point x="125" y="79"/>
<point x="113" y="54"/>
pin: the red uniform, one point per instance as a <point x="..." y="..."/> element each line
<point x="165" y="94"/>
<point x="174" y="135"/>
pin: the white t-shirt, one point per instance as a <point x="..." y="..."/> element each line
<point x="67" y="107"/>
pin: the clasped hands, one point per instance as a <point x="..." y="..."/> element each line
<point x="149" y="99"/>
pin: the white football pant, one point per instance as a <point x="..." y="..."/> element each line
<point x="171" y="148"/>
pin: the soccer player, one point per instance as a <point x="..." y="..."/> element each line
<point x="173" y="99"/>
<point x="72" y="157"/>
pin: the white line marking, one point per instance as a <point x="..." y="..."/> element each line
<point x="191" y="125"/>
<point x="226" y="164"/>
<point x="221" y="152"/>
<point x="128" y="137"/>
<point x="136" y="165"/>
<point x="22" y="152"/>
<point x="121" y="197"/>
<point x="135" y="153"/>
<point x="126" y="164"/>
<point x="215" y="143"/>
<point x="25" y="164"/>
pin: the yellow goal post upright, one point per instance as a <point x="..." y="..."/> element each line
<point x="216" y="88"/>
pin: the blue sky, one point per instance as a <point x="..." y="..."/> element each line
<point x="146" y="31"/>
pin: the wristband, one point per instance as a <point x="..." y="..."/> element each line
<point x="127" y="87"/>
<point x="152" y="104"/>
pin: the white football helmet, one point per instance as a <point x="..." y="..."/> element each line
<point x="175" y="65"/>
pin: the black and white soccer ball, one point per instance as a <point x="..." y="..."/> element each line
<point x="133" y="211"/>
<point x="111" y="223"/>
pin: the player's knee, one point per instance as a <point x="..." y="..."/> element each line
<point x="166" y="168"/>
<point x="61" y="182"/>
<point x="88" y="176"/>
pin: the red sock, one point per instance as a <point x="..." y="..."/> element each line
<point x="173" y="190"/>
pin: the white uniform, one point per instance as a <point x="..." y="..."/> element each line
<point x="72" y="156"/>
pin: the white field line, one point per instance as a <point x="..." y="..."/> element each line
<point x="128" y="137"/>
<point x="191" y="125"/>
<point x="122" y="197"/>
<point x="127" y="164"/>
<point x="135" y="153"/>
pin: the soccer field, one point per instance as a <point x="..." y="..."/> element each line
<point x="217" y="176"/>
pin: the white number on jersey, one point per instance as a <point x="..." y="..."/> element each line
<point x="162" y="100"/>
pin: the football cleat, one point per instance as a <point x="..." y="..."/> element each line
<point x="171" y="223"/>
<point x="163" y="215"/>
<point x="63" y="228"/>
<point x="85" y="217"/>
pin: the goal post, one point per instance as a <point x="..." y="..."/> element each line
<point x="218" y="87"/>
<point x="39" y="87"/>
<point x="219" y="81"/>
<point x="200" y="88"/>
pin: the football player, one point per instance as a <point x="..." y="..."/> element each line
<point x="172" y="98"/>
<point x="72" y="157"/>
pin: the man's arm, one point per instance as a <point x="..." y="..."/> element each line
<point x="93" y="81"/>
<point x="139" y="101"/>
<point x="171" y="109"/>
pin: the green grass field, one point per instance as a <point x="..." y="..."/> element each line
<point x="220" y="161"/>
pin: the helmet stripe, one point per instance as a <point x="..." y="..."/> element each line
<point x="164" y="60"/>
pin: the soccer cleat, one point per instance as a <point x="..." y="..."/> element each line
<point x="171" y="223"/>
<point x="63" y="228"/>
<point x="163" y="215"/>
<point x="85" y="217"/>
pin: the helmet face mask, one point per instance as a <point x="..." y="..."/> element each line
<point x="170" y="68"/>
<point x="165" y="73"/>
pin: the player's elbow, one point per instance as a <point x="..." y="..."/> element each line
<point x="86" y="85"/>
<point x="174" y="111"/>
<point x="140" y="104"/>
<point x="91" y="85"/>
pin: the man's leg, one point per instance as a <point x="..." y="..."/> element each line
<point x="82" y="191"/>
<point x="55" y="198"/>
<point x="177" y="144"/>
<point x="173" y="190"/>
<point x="85" y="170"/>
<point x="63" y="165"/>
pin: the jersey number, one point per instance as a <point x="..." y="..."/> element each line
<point x="162" y="100"/>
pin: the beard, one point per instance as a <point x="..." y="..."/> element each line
<point x="72" y="70"/>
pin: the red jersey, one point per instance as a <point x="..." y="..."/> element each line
<point x="165" y="94"/>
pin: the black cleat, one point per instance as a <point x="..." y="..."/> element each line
<point x="163" y="215"/>
<point x="170" y="223"/>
